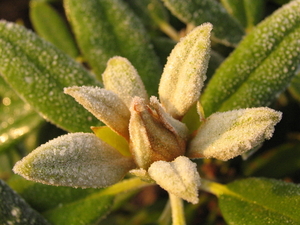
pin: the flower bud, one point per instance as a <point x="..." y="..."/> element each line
<point x="152" y="138"/>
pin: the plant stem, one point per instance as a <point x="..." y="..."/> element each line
<point x="177" y="210"/>
<point x="169" y="30"/>
<point x="213" y="187"/>
<point x="125" y="185"/>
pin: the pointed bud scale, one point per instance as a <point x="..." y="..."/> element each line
<point x="228" y="134"/>
<point x="179" y="177"/>
<point x="151" y="139"/>
<point x="122" y="78"/>
<point x="184" y="73"/>
<point x="175" y="125"/>
<point x="105" y="105"/>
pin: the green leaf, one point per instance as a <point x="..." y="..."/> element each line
<point x="106" y="28"/>
<point x="261" y="66"/>
<point x="93" y="207"/>
<point x="17" y="118"/>
<point x="51" y="26"/>
<point x="45" y="197"/>
<point x="152" y="12"/>
<point x="154" y="15"/>
<point x="14" y="210"/>
<point x="226" y="29"/>
<point x="85" y="211"/>
<point x="265" y="201"/>
<point x="285" y="158"/>
<point x="247" y="12"/>
<point x="38" y="71"/>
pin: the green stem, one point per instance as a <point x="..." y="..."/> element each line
<point x="177" y="210"/>
<point x="169" y="30"/>
<point x="213" y="187"/>
<point x="125" y="185"/>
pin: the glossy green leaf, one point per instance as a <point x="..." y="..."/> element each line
<point x="152" y="12"/>
<point x="45" y="197"/>
<point x="261" y="66"/>
<point x="14" y="210"/>
<point x="17" y="118"/>
<point x="285" y="158"/>
<point x="247" y="12"/>
<point x="227" y="30"/>
<point x="85" y="211"/>
<point x="154" y="15"/>
<point x="265" y="201"/>
<point x="106" y="28"/>
<point x="254" y="10"/>
<point x="50" y="25"/>
<point x="93" y="207"/>
<point x="23" y="122"/>
<point x="38" y="71"/>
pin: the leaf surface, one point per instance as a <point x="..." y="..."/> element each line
<point x="261" y="66"/>
<point x="285" y="158"/>
<point x="14" y="210"/>
<point x="38" y="72"/>
<point x="226" y="29"/>
<point x="109" y="28"/>
<point x="45" y="197"/>
<point x="84" y="211"/>
<point x="95" y="206"/>
<point x="266" y="201"/>
<point x="17" y="118"/>
<point x="247" y="12"/>
<point x="47" y="21"/>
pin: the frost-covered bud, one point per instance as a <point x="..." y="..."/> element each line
<point x="152" y="138"/>
<point x="184" y="73"/>
<point x="105" y="105"/>
<point x="121" y="77"/>
<point x="226" y="135"/>
<point x="179" y="177"/>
